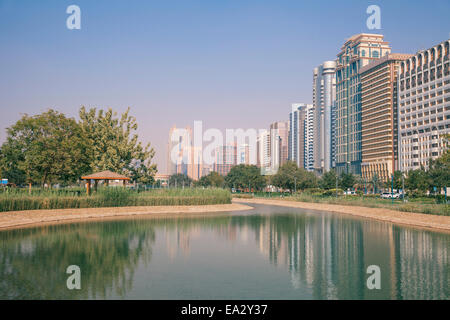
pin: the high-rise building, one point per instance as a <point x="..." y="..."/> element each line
<point x="379" y="116"/>
<point x="263" y="151"/>
<point x="279" y="132"/>
<point x="300" y="139"/>
<point x="182" y="156"/>
<point x="179" y="150"/>
<point x="324" y="96"/>
<point x="308" y="137"/>
<point x="225" y="158"/>
<point x="243" y="156"/>
<point x="357" y="52"/>
<point x="424" y="106"/>
<point x="195" y="171"/>
<point x="172" y="142"/>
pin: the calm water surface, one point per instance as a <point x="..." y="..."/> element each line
<point x="266" y="253"/>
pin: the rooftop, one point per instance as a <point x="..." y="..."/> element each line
<point x="105" y="175"/>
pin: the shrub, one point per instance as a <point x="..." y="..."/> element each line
<point x="314" y="191"/>
<point x="243" y="196"/>
<point x="332" y="192"/>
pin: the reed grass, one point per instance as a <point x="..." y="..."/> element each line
<point x="18" y="200"/>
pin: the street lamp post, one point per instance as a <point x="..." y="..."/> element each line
<point x="392" y="188"/>
<point x="295" y="184"/>
<point x="403" y="187"/>
<point x="336" y="184"/>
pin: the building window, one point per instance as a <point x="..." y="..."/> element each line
<point x="375" y="54"/>
<point x="363" y="53"/>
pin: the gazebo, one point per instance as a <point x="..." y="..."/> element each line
<point x="104" y="175"/>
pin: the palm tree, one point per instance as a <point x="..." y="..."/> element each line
<point x="375" y="181"/>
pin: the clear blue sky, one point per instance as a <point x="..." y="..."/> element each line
<point x="229" y="63"/>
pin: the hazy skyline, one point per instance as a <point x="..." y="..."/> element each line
<point x="230" y="64"/>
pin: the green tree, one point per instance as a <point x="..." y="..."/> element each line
<point x="398" y="184"/>
<point x="328" y="180"/>
<point x="242" y="176"/>
<point x="179" y="180"/>
<point x="439" y="171"/>
<point x="10" y="157"/>
<point x="417" y="180"/>
<point x="291" y="177"/>
<point x="213" y="179"/>
<point x="347" y="180"/>
<point x="375" y="181"/>
<point x="45" y="149"/>
<point x="142" y="173"/>
<point x="114" y="144"/>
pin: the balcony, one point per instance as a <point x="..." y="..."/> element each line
<point x="432" y="64"/>
<point x="419" y="68"/>
<point x="439" y="61"/>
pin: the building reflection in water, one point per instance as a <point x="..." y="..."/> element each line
<point x="330" y="255"/>
<point x="324" y="255"/>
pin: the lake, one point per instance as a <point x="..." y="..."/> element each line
<point x="268" y="253"/>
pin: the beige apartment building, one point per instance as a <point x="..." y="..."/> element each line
<point x="424" y="106"/>
<point x="379" y="116"/>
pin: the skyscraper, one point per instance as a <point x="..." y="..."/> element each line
<point x="301" y="135"/>
<point x="180" y="150"/>
<point x="263" y="152"/>
<point x="308" y="137"/>
<point x="279" y="132"/>
<point x="182" y="156"/>
<point x="424" y="106"/>
<point x="225" y="158"/>
<point x="243" y="156"/>
<point x="356" y="53"/>
<point x="324" y="96"/>
<point x="379" y="110"/>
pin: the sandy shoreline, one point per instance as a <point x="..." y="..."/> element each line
<point x="30" y="218"/>
<point x="428" y="221"/>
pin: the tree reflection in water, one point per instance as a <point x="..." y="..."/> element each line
<point x="33" y="262"/>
